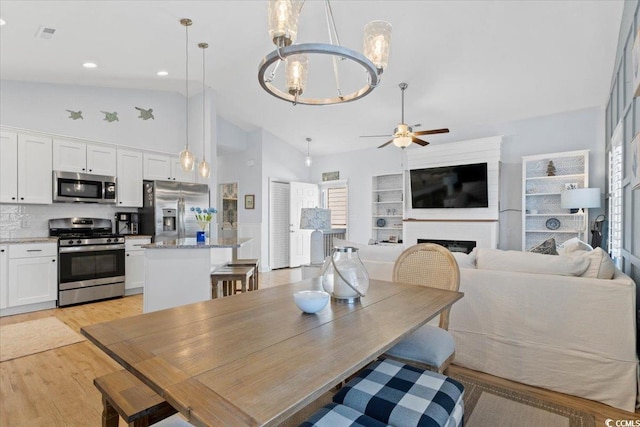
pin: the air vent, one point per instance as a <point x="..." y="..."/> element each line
<point x="45" y="32"/>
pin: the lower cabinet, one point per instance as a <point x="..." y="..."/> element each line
<point x="4" y="276"/>
<point x="33" y="274"/>
<point x="134" y="264"/>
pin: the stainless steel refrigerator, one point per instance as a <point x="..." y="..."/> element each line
<point x="166" y="212"/>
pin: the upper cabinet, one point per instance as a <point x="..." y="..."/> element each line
<point x="165" y="168"/>
<point x="81" y="157"/>
<point x="129" y="178"/>
<point x="25" y="168"/>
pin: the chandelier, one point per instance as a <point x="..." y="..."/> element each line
<point x="283" y="29"/>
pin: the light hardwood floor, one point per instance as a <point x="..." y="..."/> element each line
<point x="55" y="387"/>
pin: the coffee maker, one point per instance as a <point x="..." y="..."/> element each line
<point x="127" y="223"/>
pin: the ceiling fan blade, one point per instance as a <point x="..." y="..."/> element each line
<point x="375" y="136"/>
<point x="386" y="143"/>
<point x="419" y="141"/>
<point x="431" y="132"/>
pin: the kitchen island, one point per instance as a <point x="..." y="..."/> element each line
<point x="177" y="272"/>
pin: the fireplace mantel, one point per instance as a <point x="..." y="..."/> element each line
<point x="483" y="232"/>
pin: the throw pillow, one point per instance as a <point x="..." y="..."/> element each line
<point x="575" y="244"/>
<point x="548" y="247"/>
<point x="600" y="264"/>
<point x="465" y="260"/>
<point x="529" y="262"/>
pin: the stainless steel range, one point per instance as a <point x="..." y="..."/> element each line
<point x="90" y="260"/>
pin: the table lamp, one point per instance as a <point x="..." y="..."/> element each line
<point x="316" y="219"/>
<point x="580" y="198"/>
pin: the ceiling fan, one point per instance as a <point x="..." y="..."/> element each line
<point x="404" y="135"/>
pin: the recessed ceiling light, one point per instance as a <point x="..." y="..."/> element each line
<point x="90" y="65"/>
<point x="162" y="73"/>
<point x="2" y="21"/>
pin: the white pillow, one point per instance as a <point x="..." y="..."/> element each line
<point x="575" y="244"/>
<point x="466" y="260"/>
<point x="600" y="264"/>
<point x="529" y="262"/>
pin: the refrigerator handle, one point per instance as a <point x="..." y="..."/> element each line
<point x="181" y="223"/>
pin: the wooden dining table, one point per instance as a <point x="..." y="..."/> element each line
<point x="255" y="359"/>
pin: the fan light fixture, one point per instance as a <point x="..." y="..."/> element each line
<point x="186" y="157"/>
<point x="308" y="160"/>
<point x="203" y="167"/>
<point x="283" y="29"/>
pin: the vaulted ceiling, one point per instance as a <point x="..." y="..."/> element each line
<point x="466" y="62"/>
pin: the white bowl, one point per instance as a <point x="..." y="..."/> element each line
<point x="311" y="301"/>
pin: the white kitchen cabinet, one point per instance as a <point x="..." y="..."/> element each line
<point x="82" y="157"/>
<point x="129" y="178"/>
<point x="157" y="167"/>
<point x="33" y="273"/>
<point x="178" y="174"/>
<point x="134" y="264"/>
<point x="165" y="168"/>
<point x="25" y="163"/>
<point x="8" y="167"/>
<point x="4" y="276"/>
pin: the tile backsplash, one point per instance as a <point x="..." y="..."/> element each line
<point x="20" y="221"/>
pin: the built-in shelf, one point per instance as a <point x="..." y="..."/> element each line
<point x="542" y="194"/>
<point x="387" y="202"/>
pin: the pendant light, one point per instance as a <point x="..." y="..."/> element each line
<point x="186" y="157"/>
<point x="203" y="167"/>
<point x="308" y="160"/>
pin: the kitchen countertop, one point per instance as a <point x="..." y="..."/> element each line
<point x="19" y="240"/>
<point x="137" y="236"/>
<point x="190" y="243"/>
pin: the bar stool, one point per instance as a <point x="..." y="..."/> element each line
<point x="228" y="276"/>
<point x="252" y="262"/>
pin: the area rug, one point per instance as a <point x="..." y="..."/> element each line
<point x="35" y="336"/>
<point x="489" y="405"/>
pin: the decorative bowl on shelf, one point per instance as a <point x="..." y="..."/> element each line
<point x="381" y="222"/>
<point x="311" y="301"/>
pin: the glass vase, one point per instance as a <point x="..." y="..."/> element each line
<point x="344" y="276"/>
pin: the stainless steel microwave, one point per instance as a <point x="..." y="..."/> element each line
<point x="74" y="187"/>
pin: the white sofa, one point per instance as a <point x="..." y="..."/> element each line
<point x="531" y="318"/>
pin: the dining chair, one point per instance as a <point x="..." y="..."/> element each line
<point x="430" y="347"/>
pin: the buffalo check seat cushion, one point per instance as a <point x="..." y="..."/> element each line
<point x="335" y="415"/>
<point x="404" y="396"/>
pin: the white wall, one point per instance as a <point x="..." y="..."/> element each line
<point x="575" y="130"/>
<point x="42" y="107"/>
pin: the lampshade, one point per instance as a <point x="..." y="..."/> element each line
<point x="283" y="21"/>
<point x="580" y="198"/>
<point x="377" y="43"/>
<point x="315" y="219"/>
<point x="297" y="69"/>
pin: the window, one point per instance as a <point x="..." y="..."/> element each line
<point x="616" y="162"/>
<point x="335" y="196"/>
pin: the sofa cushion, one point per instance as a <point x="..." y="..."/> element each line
<point x="600" y="264"/>
<point x="529" y="262"/>
<point x="548" y="247"/>
<point x="373" y="252"/>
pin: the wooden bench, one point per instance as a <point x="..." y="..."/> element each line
<point x="228" y="276"/>
<point x="248" y="262"/>
<point x="125" y="395"/>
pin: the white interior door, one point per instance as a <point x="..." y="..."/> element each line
<point x="301" y="195"/>
<point x="278" y="224"/>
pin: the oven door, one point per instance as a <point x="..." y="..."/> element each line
<point x="82" y="266"/>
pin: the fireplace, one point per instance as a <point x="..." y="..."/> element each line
<point x="465" y="246"/>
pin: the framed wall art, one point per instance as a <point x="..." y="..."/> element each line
<point x="250" y="201"/>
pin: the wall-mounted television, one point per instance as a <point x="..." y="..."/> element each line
<point x="459" y="186"/>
